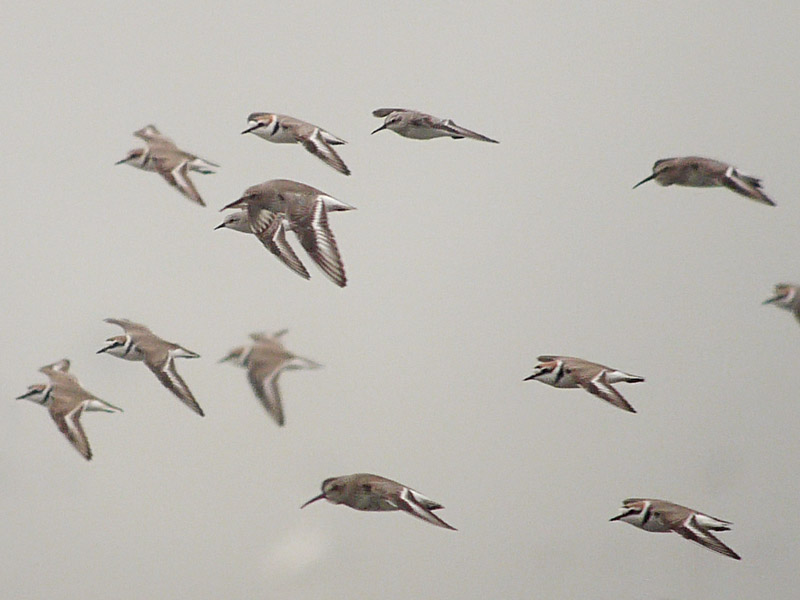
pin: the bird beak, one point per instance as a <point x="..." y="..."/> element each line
<point x="771" y="300"/>
<point x="379" y="128"/>
<point x="21" y="397"/>
<point x="104" y="348"/>
<point x="530" y="377"/>
<point x="314" y="499"/>
<point x="645" y="180"/>
<point x="619" y="516"/>
<point x="124" y="160"/>
<point x="224" y="359"/>
<point x="220" y="226"/>
<point x="252" y="127"/>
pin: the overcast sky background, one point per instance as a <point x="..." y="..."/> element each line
<point x="465" y="261"/>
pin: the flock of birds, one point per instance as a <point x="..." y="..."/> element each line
<point x="270" y="209"/>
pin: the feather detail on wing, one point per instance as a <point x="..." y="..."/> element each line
<point x="600" y="387"/>
<point x="317" y="238"/>
<point x="166" y="373"/>
<point x="322" y="149"/>
<point x="178" y="178"/>
<point x="385" y="112"/>
<point x="68" y="422"/>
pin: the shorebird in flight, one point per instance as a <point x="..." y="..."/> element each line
<point x="140" y="344"/>
<point x="570" y="372"/>
<point x="364" y="491"/>
<point x="162" y="156"/>
<point x="272" y="208"/>
<point x="66" y="400"/>
<point x="265" y="360"/>
<point x="420" y="126"/>
<point x="694" y="171"/>
<point x="283" y="129"/>
<point x="661" y="516"/>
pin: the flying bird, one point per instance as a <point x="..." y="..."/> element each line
<point x="271" y="208"/>
<point x="66" y="400"/>
<point x="570" y="372"/>
<point x="283" y="129"/>
<point x="140" y="344"/>
<point x="363" y="491"/>
<point x="786" y="296"/>
<point x="420" y="126"/>
<point x="660" y="516"/>
<point x="162" y="156"/>
<point x="694" y="171"/>
<point x="265" y="360"/>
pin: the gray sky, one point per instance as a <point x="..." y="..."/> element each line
<point x="466" y="261"/>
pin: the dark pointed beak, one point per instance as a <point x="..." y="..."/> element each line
<point x="251" y="128"/>
<point x="220" y="226"/>
<point x="314" y="499"/>
<point x="619" y="516"/>
<point x="645" y="180"/>
<point x="529" y="378"/>
<point x="22" y="397"/>
<point x="124" y="160"/>
<point x="771" y="300"/>
<point x="379" y="128"/>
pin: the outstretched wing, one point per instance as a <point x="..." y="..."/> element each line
<point x="316" y="144"/>
<point x="457" y="132"/>
<point x="164" y="368"/>
<point x="385" y="112"/>
<point x="268" y="227"/>
<point x="691" y="530"/>
<point x="178" y="177"/>
<point x="600" y="387"/>
<point x="414" y="503"/>
<point x="745" y="185"/>
<point x="67" y="418"/>
<point x="317" y="238"/>
<point x="263" y="377"/>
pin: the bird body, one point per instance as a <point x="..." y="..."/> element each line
<point x="281" y="205"/>
<point x="662" y="516"/>
<point x="421" y="126"/>
<point x="571" y="372"/>
<point x="367" y="492"/>
<point x="162" y="156"/>
<point x="283" y="129"/>
<point x="695" y="171"/>
<point x="265" y="360"/>
<point x="786" y="296"/>
<point x="141" y="344"/>
<point x="66" y="400"/>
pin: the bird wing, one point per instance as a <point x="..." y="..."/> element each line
<point x="457" y="131"/>
<point x="263" y="376"/>
<point x="162" y="364"/>
<point x="129" y="326"/>
<point x="745" y="185"/>
<point x="691" y="530"/>
<point x="317" y="238"/>
<point x="600" y="387"/>
<point x="385" y="112"/>
<point x="67" y="417"/>
<point x="410" y="502"/>
<point x="319" y="147"/>
<point x="178" y="177"/>
<point x="268" y="227"/>
<point x="261" y="336"/>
